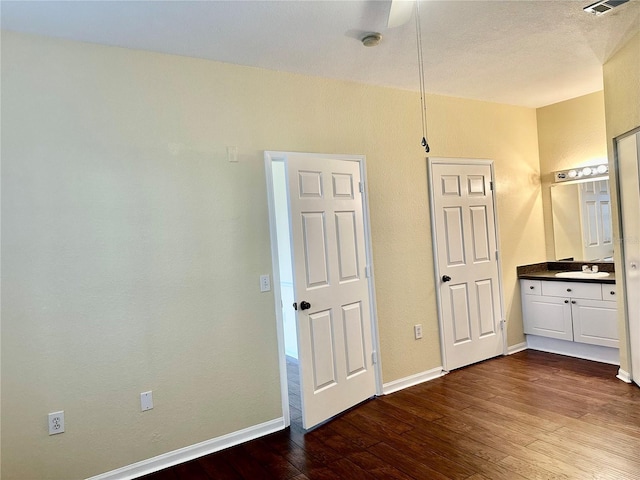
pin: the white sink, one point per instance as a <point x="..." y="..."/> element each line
<point x="578" y="274"/>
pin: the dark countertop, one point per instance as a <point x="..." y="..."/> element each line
<point x="548" y="270"/>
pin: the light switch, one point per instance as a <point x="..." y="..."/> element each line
<point x="232" y="154"/>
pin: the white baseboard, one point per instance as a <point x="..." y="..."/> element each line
<point x="586" y="351"/>
<point x="624" y="376"/>
<point x="517" y="348"/>
<point x="412" y="380"/>
<point x="191" y="452"/>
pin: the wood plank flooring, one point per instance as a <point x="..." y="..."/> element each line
<point x="531" y="415"/>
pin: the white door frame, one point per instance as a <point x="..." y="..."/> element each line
<point x="275" y="156"/>
<point x="436" y="268"/>
<point x="631" y="321"/>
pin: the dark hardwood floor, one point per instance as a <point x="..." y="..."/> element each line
<point x="531" y="415"/>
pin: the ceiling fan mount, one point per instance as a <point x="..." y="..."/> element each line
<point x="400" y="12"/>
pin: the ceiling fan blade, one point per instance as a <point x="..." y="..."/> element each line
<point x="400" y="12"/>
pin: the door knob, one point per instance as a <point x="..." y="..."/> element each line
<point x="305" y="305"/>
<point x="446" y="278"/>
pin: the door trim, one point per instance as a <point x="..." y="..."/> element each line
<point x="630" y="324"/>
<point x="436" y="268"/>
<point x="277" y="156"/>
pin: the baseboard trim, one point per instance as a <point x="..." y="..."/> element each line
<point x="624" y="376"/>
<point x="191" y="452"/>
<point x="412" y="380"/>
<point x="517" y="348"/>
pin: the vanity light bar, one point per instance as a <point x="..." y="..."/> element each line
<point x="582" y="173"/>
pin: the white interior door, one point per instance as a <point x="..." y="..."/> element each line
<point x="628" y="152"/>
<point x="335" y="344"/>
<point x="465" y="246"/>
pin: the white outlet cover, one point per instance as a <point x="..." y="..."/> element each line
<point x="56" y="422"/>
<point x="265" y="283"/>
<point x="146" y="401"/>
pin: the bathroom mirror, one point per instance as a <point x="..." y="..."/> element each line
<point x="582" y="229"/>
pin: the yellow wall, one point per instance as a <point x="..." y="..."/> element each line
<point x="570" y="134"/>
<point x="622" y="90"/>
<point x="622" y="100"/>
<point x="132" y="248"/>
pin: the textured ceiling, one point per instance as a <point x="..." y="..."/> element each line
<point x="519" y="52"/>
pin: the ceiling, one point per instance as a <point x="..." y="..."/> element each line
<point x="519" y="52"/>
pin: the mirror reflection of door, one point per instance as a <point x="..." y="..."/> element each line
<point x="595" y="213"/>
<point x="582" y="228"/>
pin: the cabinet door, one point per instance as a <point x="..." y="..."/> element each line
<point x="595" y="322"/>
<point x="547" y="317"/>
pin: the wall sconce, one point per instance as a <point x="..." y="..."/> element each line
<point x="585" y="173"/>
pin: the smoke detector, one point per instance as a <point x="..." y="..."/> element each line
<point x="371" y="39"/>
<point x="603" y="6"/>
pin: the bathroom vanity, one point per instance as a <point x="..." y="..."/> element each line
<point x="571" y="312"/>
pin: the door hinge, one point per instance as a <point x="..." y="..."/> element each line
<point x="491" y="186"/>
<point x="374" y="357"/>
<point x="502" y="324"/>
<point x="361" y="187"/>
<point x="367" y="271"/>
<point x="496" y="255"/>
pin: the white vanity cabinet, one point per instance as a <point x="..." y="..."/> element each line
<point x="574" y="311"/>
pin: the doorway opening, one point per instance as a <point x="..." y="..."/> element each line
<point x="323" y="284"/>
<point x="285" y="282"/>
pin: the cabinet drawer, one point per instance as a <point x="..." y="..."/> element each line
<point x="609" y="292"/>
<point x="530" y="287"/>
<point x="572" y="289"/>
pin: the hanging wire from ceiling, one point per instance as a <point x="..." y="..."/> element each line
<point x="423" y="100"/>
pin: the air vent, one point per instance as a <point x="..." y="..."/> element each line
<point x="603" y="6"/>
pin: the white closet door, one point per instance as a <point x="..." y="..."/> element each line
<point x="629" y="186"/>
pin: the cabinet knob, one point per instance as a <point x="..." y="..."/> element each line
<point x="568" y="289"/>
<point x="566" y="301"/>
<point x="532" y="287"/>
<point x="612" y="292"/>
<point x="573" y="301"/>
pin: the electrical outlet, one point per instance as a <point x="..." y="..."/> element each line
<point x="417" y="331"/>
<point x="146" y="401"/>
<point x="265" y="283"/>
<point x="56" y="422"/>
